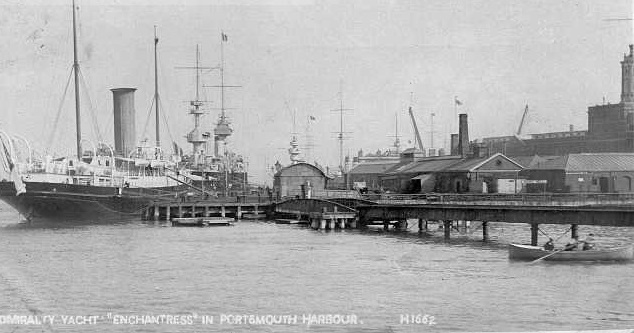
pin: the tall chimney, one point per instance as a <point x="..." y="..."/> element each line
<point x="124" y="120"/>
<point x="627" y="77"/>
<point x="454" y="145"/>
<point x="463" y="135"/>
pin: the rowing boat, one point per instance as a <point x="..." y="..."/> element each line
<point x="200" y="222"/>
<point x="529" y="252"/>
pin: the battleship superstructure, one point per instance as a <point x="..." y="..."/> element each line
<point x="218" y="170"/>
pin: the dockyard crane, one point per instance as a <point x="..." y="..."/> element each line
<point x="418" y="139"/>
<point x="519" y="128"/>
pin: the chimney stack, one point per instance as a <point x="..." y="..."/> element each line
<point x="463" y="135"/>
<point x="454" y="145"/>
<point x="124" y="120"/>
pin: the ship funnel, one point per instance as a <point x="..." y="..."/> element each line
<point x="124" y="120"/>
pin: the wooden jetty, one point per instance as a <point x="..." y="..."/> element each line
<point x="167" y="210"/>
<point x="319" y="213"/>
<point x="451" y="211"/>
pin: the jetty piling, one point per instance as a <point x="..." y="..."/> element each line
<point x="574" y="232"/>
<point x="447" y="228"/>
<point x="534" y="234"/>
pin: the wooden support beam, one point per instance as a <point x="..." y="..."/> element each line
<point x="574" y="231"/>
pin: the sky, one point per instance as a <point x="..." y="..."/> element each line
<point x="304" y="58"/>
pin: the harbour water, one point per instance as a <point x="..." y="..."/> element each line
<point x="264" y="277"/>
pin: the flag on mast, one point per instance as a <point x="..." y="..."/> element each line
<point x="224" y="36"/>
<point x="458" y="102"/>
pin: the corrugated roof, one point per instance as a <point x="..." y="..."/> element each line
<point x="600" y="162"/>
<point x="477" y="163"/>
<point x="466" y="165"/>
<point x="372" y="168"/>
<point x="589" y="162"/>
<point x="424" y="165"/>
<point x="431" y="165"/>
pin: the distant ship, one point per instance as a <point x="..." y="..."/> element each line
<point x="93" y="184"/>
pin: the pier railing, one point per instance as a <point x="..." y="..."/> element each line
<point x="526" y="199"/>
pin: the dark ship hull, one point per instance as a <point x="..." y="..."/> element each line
<point x="72" y="201"/>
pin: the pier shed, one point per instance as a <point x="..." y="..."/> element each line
<point x="586" y="173"/>
<point x="370" y="173"/>
<point x="494" y="174"/>
<point x="302" y="180"/>
<point x="418" y="176"/>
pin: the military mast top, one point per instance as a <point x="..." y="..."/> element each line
<point x="196" y="137"/>
<point x="223" y="128"/>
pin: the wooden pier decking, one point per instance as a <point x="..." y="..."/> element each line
<point x="166" y="210"/>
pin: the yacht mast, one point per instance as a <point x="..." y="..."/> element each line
<point x="76" y="72"/>
<point x="156" y="95"/>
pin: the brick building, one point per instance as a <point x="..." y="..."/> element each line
<point x="610" y="128"/>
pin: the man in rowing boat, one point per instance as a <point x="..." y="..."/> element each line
<point x="572" y="245"/>
<point x="587" y="243"/>
<point x="549" y="246"/>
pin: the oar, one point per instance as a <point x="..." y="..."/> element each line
<point x="550" y="254"/>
